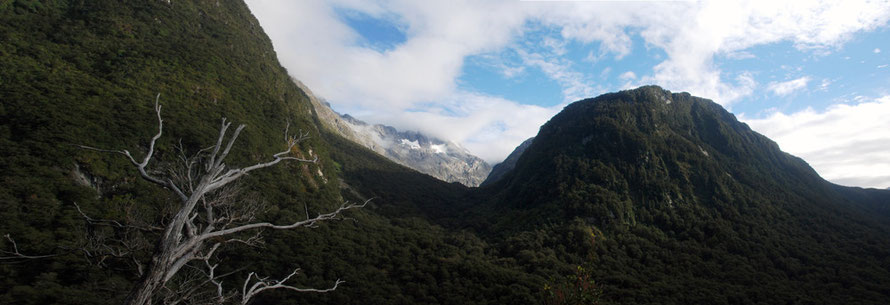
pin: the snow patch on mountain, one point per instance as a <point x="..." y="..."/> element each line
<point x="439" y="149"/>
<point x="411" y="144"/>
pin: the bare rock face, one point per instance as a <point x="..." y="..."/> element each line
<point x="444" y="160"/>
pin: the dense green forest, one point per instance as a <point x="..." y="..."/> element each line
<point x="641" y="196"/>
<point x="691" y="206"/>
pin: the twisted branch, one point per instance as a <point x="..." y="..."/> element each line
<point x="16" y="255"/>
<point x="209" y="215"/>
<point x="264" y="283"/>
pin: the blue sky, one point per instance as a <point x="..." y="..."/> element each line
<point x="812" y="75"/>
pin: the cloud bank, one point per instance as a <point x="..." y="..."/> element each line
<point x="847" y="144"/>
<point x="788" y="87"/>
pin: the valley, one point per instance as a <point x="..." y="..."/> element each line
<point x="641" y="196"/>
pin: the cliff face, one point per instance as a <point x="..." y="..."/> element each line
<point x="444" y="160"/>
<point x="501" y="169"/>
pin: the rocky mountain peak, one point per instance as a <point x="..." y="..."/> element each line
<point x="444" y="160"/>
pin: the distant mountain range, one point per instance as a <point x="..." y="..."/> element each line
<point x="444" y="160"/>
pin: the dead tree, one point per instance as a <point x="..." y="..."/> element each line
<point x="15" y="255"/>
<point x="208" y="215"/>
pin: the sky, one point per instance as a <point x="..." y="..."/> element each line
<point x="812" y="75"/>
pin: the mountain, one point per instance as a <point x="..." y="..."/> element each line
<point x="500" y="169"/>
<point x="445" y="160"/>
<point x="668" y="199"/>
<point x="642" y="196"/>
<point x="88" y="72"/>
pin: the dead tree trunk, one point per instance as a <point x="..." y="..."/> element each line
<point x="208" y="217"/>
<point x="152" y="281"/>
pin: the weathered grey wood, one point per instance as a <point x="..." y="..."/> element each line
<point x="186" y="235"/>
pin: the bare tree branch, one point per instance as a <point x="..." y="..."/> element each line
<point x="151" y="148"/>
<point x="219" y="140"/>
<point x="151" y="145"/>
<point x="305" y="223"/>
<point x="211" y="214"/>
<point x="264" y="283"/>
<point x="16" y="255"/>
<point x="115" y="223"/>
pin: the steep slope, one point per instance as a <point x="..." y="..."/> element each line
<point x="501" y="169"/>
<point x="87" y="72"/>
<point x="444" y="160"/>
<point x="673" y="200"/>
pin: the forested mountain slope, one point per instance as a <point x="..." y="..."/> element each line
<point x="87" y="73"/>
<point x="684" y="204"/>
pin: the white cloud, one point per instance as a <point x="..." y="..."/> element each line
<point x="511" y="72"/>
<point x="629" y="75"/>
<point x="605" y="72"/>
<point x="602" y="22"/>
<point x="318" y="48"/>
<point x="726" y="27"/>
<point x="738" y="55"/>
<point x="490" y="127"/>
<point x="788" y="87"/>
<point x="876" y="51"/>
<point x="846" y="144"/>
<point x="825" y="83"/>
<point x="556" y="46"/>
<point x="575" y="85"/>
